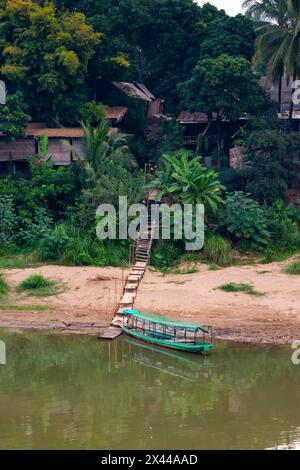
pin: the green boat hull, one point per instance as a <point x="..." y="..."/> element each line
<point x="193" y="348"/>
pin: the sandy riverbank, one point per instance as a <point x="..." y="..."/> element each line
<point x="91" y="296"/>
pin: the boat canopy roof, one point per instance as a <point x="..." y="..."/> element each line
<point x="165" y="321"/>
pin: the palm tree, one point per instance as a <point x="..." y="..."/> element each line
<point x="271" y="18"/>
<point x="101" y="147"/>
<point x="278" y="41"/>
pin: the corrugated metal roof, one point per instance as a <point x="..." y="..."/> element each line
<point x="63" y="132"/>
<point x="186" y="117"/>
<point x="146" y="91"/>
<point x="132" y="90"/>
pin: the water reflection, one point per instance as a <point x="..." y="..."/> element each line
<point x="182" y="365"/>
<point x="75" y="392"/>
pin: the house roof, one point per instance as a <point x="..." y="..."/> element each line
<point x="36" y="129"/>
<point x="116" y="112"/>
<point x="186" y="117"/>
<point x="137" y="91"/>
<point x="60" y="132"/>
<point x="146" y="91"/>
<point x="65" y="132"/>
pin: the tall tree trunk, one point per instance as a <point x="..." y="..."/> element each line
<point x="279" y="94"/>
<point x="292" y="102"/>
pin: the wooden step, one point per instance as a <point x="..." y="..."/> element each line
<point x="126" y="306"/>
<point x="131" y="285"/>
<point x="133" y="293"/>
<point x="140" y="264"/>
<point x="134" y="278"/>
<point x="127" y="299"/>
<point x="138" y="273"/>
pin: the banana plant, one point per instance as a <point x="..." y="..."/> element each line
<point x="186" y="180"/>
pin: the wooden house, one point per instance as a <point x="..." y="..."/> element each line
<point x="19" y="151"/>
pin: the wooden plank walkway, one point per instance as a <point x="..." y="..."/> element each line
<point x="110" y="333"/>
<point x="142" y="258"/>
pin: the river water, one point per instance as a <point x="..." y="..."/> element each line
<point x="74" y="392"/>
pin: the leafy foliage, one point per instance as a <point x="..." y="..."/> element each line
<point x="283" y="226"/>
<point x="244" y="220"/>
<point x="184" y="179"/>
<point x="229" y="35"/>
<point x="271" y="152"/>
<point x="293" y="268"/>
<point x="109" y="171"/>
<point x="67" y="245"/>
<point x="3" y="287"/>
<point x="278" y="37"/>
<point x="45" y="54"/>
<point x="165" y="255"/>
<point x="224" y="85"/>
<point x="8" y="220"/>
<point x="13" y="119"/>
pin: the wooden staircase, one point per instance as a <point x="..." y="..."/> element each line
<point x="142" y="254"/>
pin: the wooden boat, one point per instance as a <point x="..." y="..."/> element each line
<point x="163" y="331"/>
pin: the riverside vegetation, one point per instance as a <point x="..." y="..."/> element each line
<point x="49" y="216"/>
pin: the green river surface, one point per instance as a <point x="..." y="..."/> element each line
<point x="75" y="392"/>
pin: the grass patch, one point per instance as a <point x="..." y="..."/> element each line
<point x="182" y="271"/>
<point x="293" y="268"/>
<point x="246" y="288"/>
<point x="213" y="267"/>
<point x="218" y="251"/>
<point x="39" y="286"/>
<point x="19" y="261"/>
<point x="3" y="287"/>
<point x="278" y="255"/>
<point x="24" y="308"/>
<point x="264" y="272"/>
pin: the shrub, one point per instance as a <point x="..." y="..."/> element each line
<point x="36" y="281"/>
<point x="293" y="268"/>
<point x="8" y="220"/>
<point x="282" y="224"/>
<point x="244" y="220"/>
<point x="217" y="250"/>
<point x="165" y="255"/>
<point x="231" y="179"/>
<point x="3" y="287"/>
<point x="34" y="230"/>
<point x="38" y="285"/>
<point x="54" y="243"/>
<point x="69" y="246"/>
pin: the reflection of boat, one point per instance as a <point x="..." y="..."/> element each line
<point x="163" y="331"/>
<point x="174" y="363"/>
